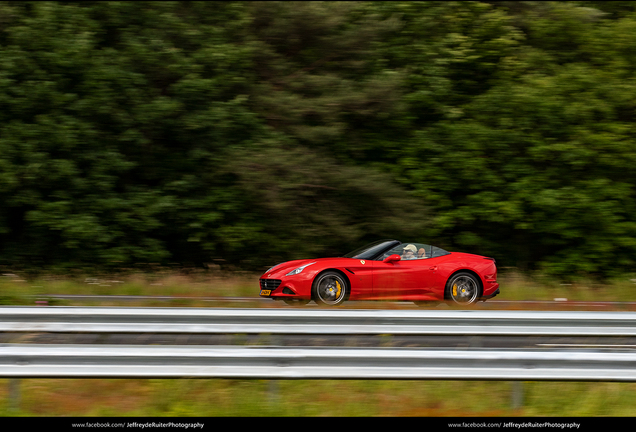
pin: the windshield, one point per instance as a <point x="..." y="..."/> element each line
<point x="414" y="251"/>
<point x="371" y="250"/>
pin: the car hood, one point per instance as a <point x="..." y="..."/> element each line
<point x="286" y="267"/>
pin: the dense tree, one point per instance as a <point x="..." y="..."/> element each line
<point x="136" y="132"/>
<point x="537" y="166"/>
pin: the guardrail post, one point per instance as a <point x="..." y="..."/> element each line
<point x="14" y="394"/>
<point x="272" y="384"/>
<point x="517" y="394"/>
<point x="272" y="390"/>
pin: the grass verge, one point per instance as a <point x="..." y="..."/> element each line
<point x="235" y="397"/>
<point x="207" y="289"/>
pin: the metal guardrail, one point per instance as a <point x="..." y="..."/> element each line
<point x="100" y="361"/>
<point x="315" y="321"/>
<point x="212" y="361"/>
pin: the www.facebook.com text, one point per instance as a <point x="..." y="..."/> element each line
<point x="520" y="425"/>
<point x="145" y="425"/>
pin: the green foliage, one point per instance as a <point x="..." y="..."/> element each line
<point x="536" y="166"/>
<point x="296" y="202"/>
<point x="144" y="132"/>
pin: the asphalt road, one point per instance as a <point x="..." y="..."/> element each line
<point x="556" y="304"/>
<point x="499" y="342"/>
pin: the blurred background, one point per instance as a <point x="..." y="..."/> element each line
<point x="248" y="133"/>
<point x="237" y="135"/>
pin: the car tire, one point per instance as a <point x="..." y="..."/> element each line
<point x="463" y="288"/>
<point x="296" y="301"/>
<point x="330" y="289"/>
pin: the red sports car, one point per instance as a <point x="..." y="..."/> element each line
<point x="384" y="270"/>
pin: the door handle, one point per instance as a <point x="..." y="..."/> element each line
<point x="433" y="268"/>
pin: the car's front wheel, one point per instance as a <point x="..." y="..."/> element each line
<point x="463" y="288"/>
<point x="330" y="288"/>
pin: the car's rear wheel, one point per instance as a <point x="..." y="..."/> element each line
<point x="330" y="288"/>
<point x="463" y="288"/>
<point x="296" y="301"/>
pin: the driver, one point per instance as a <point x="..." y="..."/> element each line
<point x="408" y="252"/>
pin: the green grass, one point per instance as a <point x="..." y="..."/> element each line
<point x="16" y="289"/>
<point x="235" y="397"/>
<point x="517" y="286"/>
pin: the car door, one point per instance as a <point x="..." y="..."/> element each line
<point x="404" y="278"/>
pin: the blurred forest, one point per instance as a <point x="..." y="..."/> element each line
<point x="256" y="132"/>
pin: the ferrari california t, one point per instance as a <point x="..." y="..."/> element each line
<point x="384" y="270"/>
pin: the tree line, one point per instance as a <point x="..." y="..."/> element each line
<point x="249" y="133"/>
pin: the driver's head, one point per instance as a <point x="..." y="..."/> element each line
<point x="409" y="251"/>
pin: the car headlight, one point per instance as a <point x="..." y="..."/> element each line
<point x="299" y="269"/>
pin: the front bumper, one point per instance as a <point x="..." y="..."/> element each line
<point x="286" y="287"/>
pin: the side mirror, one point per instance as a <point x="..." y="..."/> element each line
<point x="392" y="258"/>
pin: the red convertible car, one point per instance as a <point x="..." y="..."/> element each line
<point x="384" y="270"/>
